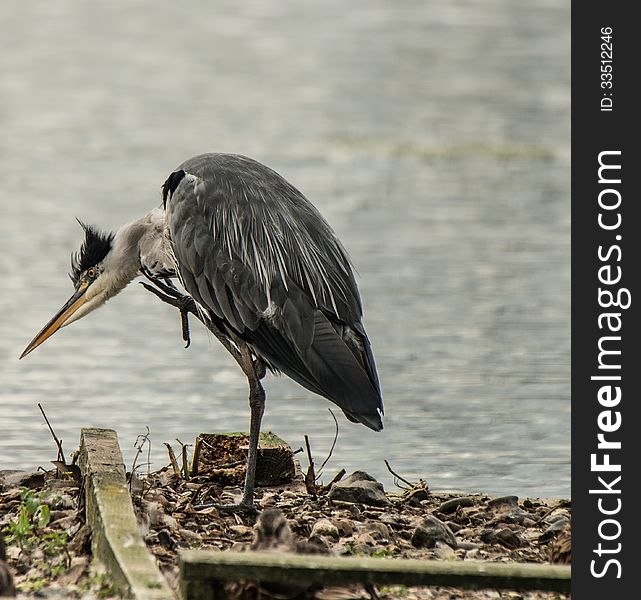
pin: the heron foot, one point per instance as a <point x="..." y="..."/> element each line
<point x="168" y="292"/>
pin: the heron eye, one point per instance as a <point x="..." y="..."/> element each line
<point x="91" y="273"/>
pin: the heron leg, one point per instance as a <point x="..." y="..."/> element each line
<point x="256" y="410"/>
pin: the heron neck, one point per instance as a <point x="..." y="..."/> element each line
<point x="136" y="244"/>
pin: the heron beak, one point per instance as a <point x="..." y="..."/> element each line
<point x="59" y="319"/>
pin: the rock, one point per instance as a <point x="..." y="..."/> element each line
<point x="506" y="537"/>
<point x="315" y="545"/>
<point x="364" y="539"/>
<point x="430" y="531"/>
<point x="504" y="502"/>
<point x="443" y="551"/>
<point x="344" y="526"/>
<point x="450" y="506"/>
<point x="466" y="532"/>
<point x="59" y="501"/>
<point x="467" y="546"/>
<point x="359" y="488"/>
<point x="13" y="552"/>
<point x="557" y="516"/>
<point x="61" y="484"/>
<point x="20" y="479"/>
<point x="64" y="522"/>
<point x="553" y="530"/>
<point x="325" y="528"/>
<point x="379" y="531"/>
<point x="78" y="567"/>
<point x="454" y="526"/>
<point x="268" y="499"/>
<point x="390" y="519"/>
<point x="81" y="542"/>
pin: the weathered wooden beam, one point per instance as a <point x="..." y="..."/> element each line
<point x="116" y="538"/>
<point x="200" y="571"/>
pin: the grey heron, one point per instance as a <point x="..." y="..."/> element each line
<point x="260" y="267"/>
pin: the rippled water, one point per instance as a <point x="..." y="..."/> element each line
<point x="433" y="136"/>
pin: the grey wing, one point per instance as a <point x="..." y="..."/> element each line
<point x="263" y="261"/>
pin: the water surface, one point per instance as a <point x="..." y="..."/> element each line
<point x="433" y="136"/>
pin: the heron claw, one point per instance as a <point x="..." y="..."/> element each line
<point x="184" y="321"/>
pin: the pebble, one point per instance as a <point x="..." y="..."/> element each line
<point x="467" y="545"/>
<point x="64" y="522"/>
<point x="390" y="519"/>
<point x="553" y="530"/>
<point x="454" y="526"/>
<point x="317" y="545"/>
<point x="379" y="531"/>
<point x="430" y="531"/>
<point x="325" y="528"/>
<point x="268" y="499"/>
<point x="344" y="526"/>
<point x="360" y="488"/>
<point x="77" y="568"/>
<point x="364" y="538"/>
<point x="443" y="551"/>
<point x="503" y="502"/>
<point x="20" y="479"/>
<point x="450" y="506"/>
<point x="59" y="501"/>
<point x="506" y="537"/>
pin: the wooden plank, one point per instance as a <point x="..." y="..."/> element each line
<point x="116" y="538"/>
<point x="197" y="568"/>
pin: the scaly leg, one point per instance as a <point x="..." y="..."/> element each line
<point x="256" y="410"/>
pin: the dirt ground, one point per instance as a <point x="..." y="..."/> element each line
<point x="49" y="547"/>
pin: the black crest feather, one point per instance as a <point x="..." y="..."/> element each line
<point x="169" y="187"/>
<point x="94" y="248"/>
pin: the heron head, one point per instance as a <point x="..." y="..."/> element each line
<point x="93" y="282"/>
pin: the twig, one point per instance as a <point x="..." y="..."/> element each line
<point x="172" y="460"/>
<point x="141" y="440"/>
<point x="320" y="470"/>
<point x="337" y="477"/>
<point x="185" y="462"/>
<point x="195" y="459"/>
<point x="310" y="477"/>
<point x="61" y="454"/>
<point x="397" y="475"/>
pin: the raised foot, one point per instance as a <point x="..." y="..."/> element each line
<point x="168" y="292"/>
